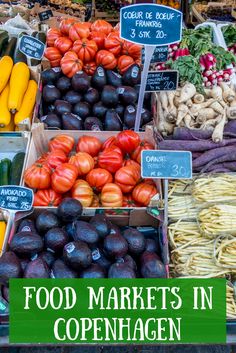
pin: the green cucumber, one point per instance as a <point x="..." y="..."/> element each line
<point x="3" y="40"/>
<point x="10" y="49"/>
<point x="42" y="37"/>
<point x="5" y="167"/>
<point x="16" y="168"/>
<point x="18" y="55"/>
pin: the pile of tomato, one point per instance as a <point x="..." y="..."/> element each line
<point x="99" y="174"/>
<point x="83" y="46"/>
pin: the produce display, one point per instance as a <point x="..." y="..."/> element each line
<point x="10" y="171"/>
<point x="98" y="174"/>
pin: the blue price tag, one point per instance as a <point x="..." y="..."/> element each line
<point x="166" y="164"/>
<point x="32" y="47"/>
<point x="150" y="24"/>
<point x="160" y="55"/>
<point x="16" y="198"/>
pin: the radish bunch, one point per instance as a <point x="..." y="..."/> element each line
<point x="232" y="49"/>
<point x="211" y="76"/>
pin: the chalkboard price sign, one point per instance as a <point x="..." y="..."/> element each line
<point x="162" y="81"/>
<point x="166" y="164"/>
<point x="150" y="24"/>
<point x="45" y="15"/>
<point x="16" y="198"/>
<point x="160" y="55"/>
<point x="32" y="47"/>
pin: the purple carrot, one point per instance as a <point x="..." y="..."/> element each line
<point x="196" y="155"/>
<point x="230" y="127"/>
<point x="183" y="133"/>
<point x="231" y="166"/>
<point x="193" y="146"/>
<point x="225" y="158"/>
<point x="220" y="170"/>
<point x="213" y="155"/>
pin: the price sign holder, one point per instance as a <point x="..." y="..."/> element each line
<point x="16" y="199"/>
<point x="150" y="25"/>
<point x="32" y="47"/>
<point x="45" y="15"/>
<point x="160" y="55"/>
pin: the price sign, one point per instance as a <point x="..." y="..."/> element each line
<point x="150" y="24"/>
<point x="45" y="15"/>
<point x="159" y="56"/>
<point x="166" y="164"/>
<point x="32" y="47"/>
<point x="162" y="81"/>
<point x="16" y="198"/>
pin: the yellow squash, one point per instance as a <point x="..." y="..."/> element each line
<point x="5" y="115"/>
<point x="28" y="103"/>
<point x="9" y="127"/>
<point x="2" y="234"/>
<point x="18" y="85"/>
<point x="6" y="64"/>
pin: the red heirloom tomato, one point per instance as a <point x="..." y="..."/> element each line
<point x="47" y="197"/>
<point x="83" y="162"/>
<point x="99" y="38"/>
<point x="90" y="68"/>
<point x="131" y="49"/>
<point x="62" y="142"/>
<point x="95" y="202"/>
<point x="124" y="62"/>
<point x="53" y="55"/>
<point x="83" y="192"/>
<point x="131" y="162"/>
<point x="38" y="176"/>
<point x="114" y="43"/>
<point x="128" y="141"/>
<point x="98" y="177"/>
<point x="143" y="193"/>
<point x="144" y="145"/>
<point x="102" y="26"/>
<point x="111" y="196"/>
<point x="64" y="177"/>
<point x="126" y="178"/>
<point x="78" y="31"/>
<point x="85" y="49"/>
<point x="70" y="64"/>
<point x="110" y="160"/>
<point x="52" y="35"/>
<point x="54" y="158"/>
<point x="63" y="44"/>
<point x="89" y="144"/>
<point x="106" y="59"/>
<point x="111" y="141"/>
<point x="128" y="201"/>
<point x="66" y="24"/>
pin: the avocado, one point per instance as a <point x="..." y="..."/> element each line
<point x="132" y="76"/>
<point x="86" y="232"/>
<point x="80" y="82"/>
<point x="48" y="108"/>
<point x="113" y="78"/>
<point x="151" y="245"/>
<point x="10" y="266"/>
<point x="99" y="79"/>
<point x="130" y="116"/>
<point x="99" y="110"/>
<point x="110" y="96"/>
<point x="70" y="230"/>
<point x="82" y="109"/>
<point x="91" y="96"/>
<point x="52" y="120"/>
<point x="37" y="269"/>
<point x="63" y="84"/>
<point x="72" y="97"/>
<point x="151" y="266"/>
<point x="6" y="293"/>
<point x="26" y="225"/>
<point x="55" y="239"/>
<point x="135" y="239"/>
<point x="115" y="246"/>
<point x="72" y="122"/>
<point x="120" y="110"/>
<point x="121" y="270"/>
<point x="115" y="229"/>
<point x="48" y="257"/>
<point x="69" y="209"/>
<point x="93" y="124"/>
<point x="101" y="224"/>
<point x="146" y="116"/>
<point x="24" y="263"/>
<point x="26" y="244"/>
<point x="61" y="270"/>
<point x="99" y="258"/>
<point x="127" y="95"/>
<point x="129" y="261"/>
<point x="112" y="121"/>
<point x="77" y="254"/>
<point x="51" y="93"/>
<point x="50" y="76"/>
<point x="45" y="221"/>
<point x="93" y="271"/>
<point x="62" y="107"/>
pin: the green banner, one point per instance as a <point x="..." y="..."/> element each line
<point x="132" y="311"/>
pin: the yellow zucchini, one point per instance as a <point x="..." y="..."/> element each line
<point x="18" y="85"/>
<point x="9" y="127"/>
<point x="5" y="115"/>
<point x="2" y="234"/>
<point x="28" y="103"/>
<point x="6" y="64"/>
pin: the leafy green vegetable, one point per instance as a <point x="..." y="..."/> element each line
<point x="223" y="57"/>
<point x="229" y="33"/>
